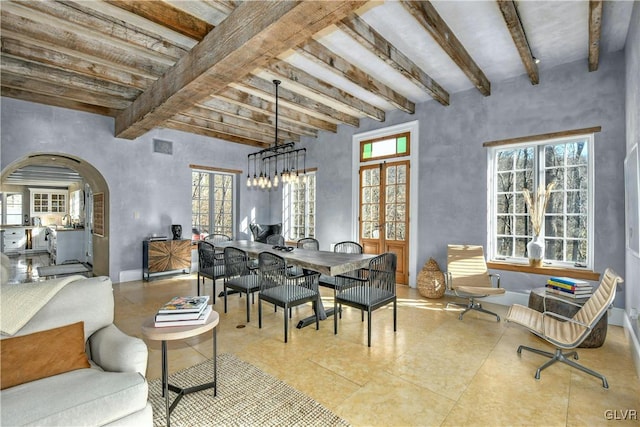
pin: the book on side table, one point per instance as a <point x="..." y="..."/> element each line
<point x="567" y="287"/>
<point x="183" y="311"/>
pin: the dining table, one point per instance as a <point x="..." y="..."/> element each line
<point x="324" y="262"/>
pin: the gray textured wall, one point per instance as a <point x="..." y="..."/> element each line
<point x="155" y="186"/>
<point x="632" y="50"/>
<point x="453" y="164"/>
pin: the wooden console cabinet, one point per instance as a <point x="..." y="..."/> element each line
<point x="160" y="256"/>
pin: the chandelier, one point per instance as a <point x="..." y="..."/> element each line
<point x="281" y="162"/>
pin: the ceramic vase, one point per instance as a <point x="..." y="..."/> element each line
<point x="535" y="251"/>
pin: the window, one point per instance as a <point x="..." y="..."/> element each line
<point x="212" y="203"/>
<point x="385" y="147"/>
<point x="299" y="208"/>
<point x="14" y="209"/>
<point x="567" y="226"/>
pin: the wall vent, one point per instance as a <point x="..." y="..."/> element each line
<point x="162" y="146"/>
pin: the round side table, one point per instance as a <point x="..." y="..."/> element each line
<point x="177" y="333"/>
<point x="566" y="306"/>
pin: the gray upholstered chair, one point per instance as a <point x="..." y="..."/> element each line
<point x="378" y="290"/>
<point x="210" y="265"/>
<point x="468" y="277"/>
<point x="239" y="277"/>
<point x="567" y="333"/>
<point x="260" y="232"/>
<point x="282" y="290"/>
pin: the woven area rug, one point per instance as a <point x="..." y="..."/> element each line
<point x="247" y="396"/>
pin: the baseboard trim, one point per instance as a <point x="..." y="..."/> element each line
<point x="633" y="340"/>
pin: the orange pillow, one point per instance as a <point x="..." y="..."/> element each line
<point x="42" y="354"/>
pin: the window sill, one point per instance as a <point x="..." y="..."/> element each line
<point x="575" y="273"/>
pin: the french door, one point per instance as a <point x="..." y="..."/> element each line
<point x="384" y="212"/>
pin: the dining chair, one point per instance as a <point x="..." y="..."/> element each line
<point x="210" y="265"/>
<point x="378" y="290"/>
<point x="216" y="238"/>
<point x="567" y="333"/>
<point x="239" y="277"/>
<point x="275" y="239"/>
<point x="468" y="277"/>
<point x="345" y="247"/>
<point x="282" y="290"/>
<point x="308" y="243"/>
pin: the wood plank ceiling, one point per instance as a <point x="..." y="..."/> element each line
<point x="206" y="66"/>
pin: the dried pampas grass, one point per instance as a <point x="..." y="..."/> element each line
<point x="537" y="205"/>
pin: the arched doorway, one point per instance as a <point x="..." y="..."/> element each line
<point x="98" y="186"/>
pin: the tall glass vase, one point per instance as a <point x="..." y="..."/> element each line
<point x="535" y="250"/>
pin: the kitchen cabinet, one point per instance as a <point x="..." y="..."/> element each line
<point x="38" y="242"/>
<point x="66" y="245"/>
<point x="14" y="239"/>
<point x="45" y="201"/>
<point x="159" y="256"/>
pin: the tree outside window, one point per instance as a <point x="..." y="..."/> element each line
<point x="212" y="203"/>
<point x="298" y="207"/>
<point x="567" y="163"/>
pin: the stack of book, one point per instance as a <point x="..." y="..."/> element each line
<point x="568" y="287"/>
<point x="184" y="311"/>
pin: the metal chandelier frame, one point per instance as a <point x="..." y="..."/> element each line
<point x="266" y="162"/>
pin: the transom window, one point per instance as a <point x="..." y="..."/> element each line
<point x="385" y="147"/>
<point x="212" y="203"/>
<point x="299" y="208"/>
<point x="567" y="225"/>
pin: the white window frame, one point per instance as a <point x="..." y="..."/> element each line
<point x="234" y="179"/>
<point x="538" y="146"/>
<point x="287" y="209"/>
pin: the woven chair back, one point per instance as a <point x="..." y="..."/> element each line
<point x="235" y="263"/>
<point x="348" y="247"/>
<point x="309" y="243"/>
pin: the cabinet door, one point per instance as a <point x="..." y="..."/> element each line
<point x="40" y="203"/>
<point x="169" y="255"/>
<point x="38" y="241"/>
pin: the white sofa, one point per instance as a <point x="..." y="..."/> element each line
<point x="113" y="391"/>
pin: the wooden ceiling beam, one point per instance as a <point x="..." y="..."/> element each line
<point x="258" y="116"/>
<point x="295" y="76"/>
<point x="319" y="54"/>
<point x="595" y="29"/>
<point x="514" y="24"/>
<point x="297" y="101"/>
<point x="229" y="129"/>
<point x="185" y="127"/>
<point x="58" y="77"/>
<point x="15" y="81"/>
<point x="166" y="15"/>
<point x="427" y="15"/>
<point x="251" y="35"/>
<point x="13" y="45"/>
<point x="284" y="113"/>
<point x="84" y="17"/>
<point x="383" y="49"/>
<point x="93" y="46"/>
<point x="226" y="119"/>
<point x="57" y="101"/>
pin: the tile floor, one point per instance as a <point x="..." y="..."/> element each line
<point x="434" y="371"/>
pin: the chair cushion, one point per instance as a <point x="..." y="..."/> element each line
<point x="365" y="295"/>
<point x="42" y="354"/>
<point x="478" y="291"/>
<point x="287" y="293"/>
<point x="250" y="283"/>
<point x="81" y="397"/>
